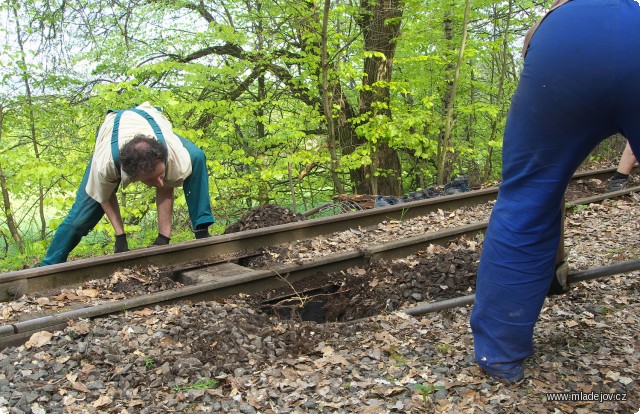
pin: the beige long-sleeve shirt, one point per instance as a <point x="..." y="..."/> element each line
<point x="104" y="176"/>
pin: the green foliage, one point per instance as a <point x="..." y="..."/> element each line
<point x="427" y="390"/>
<point x="242" y="80"/>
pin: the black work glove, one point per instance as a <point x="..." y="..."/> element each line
<point x="560" y="282"/>
<point x="121" y="244"/>
<point x="161" y="240"/>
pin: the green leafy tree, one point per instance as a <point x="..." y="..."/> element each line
<point x="292" y="102"/>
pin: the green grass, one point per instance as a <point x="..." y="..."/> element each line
<point x="202" y="384"/>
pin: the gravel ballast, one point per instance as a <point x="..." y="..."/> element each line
<point x="229" y="356"/>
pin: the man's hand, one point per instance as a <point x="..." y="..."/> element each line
<point x="560" y="282"/>
<point x="161" y="240"/>
<point x="121" y="244"/>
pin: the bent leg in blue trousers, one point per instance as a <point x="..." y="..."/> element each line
<point x="580" y="84"/>
<point x="81" y="219"/>
<point x="196" y="188"/>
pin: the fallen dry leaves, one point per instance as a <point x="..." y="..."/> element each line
<point x="160" y="359"/>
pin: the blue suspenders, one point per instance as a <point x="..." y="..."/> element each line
<point x="115" y="152"/>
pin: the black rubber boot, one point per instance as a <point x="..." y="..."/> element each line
<point x="202" y="232"/>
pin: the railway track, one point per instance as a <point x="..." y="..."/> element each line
<point x="207" y="267"/>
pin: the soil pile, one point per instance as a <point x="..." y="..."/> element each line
<point x="264" y="216"/>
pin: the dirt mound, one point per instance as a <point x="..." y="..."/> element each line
<point x="264" y="216"/>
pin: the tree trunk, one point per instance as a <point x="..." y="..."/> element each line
<point x="32" y="124"/>
<point x="263" y="189"/>
<point x="502" y="62"/>
<point x="445" y="143"/>
<point x="6" y="200"/>
<point x="380" y="24"/>
<point x="327" y="100"/>
<point x="292" y="190"/>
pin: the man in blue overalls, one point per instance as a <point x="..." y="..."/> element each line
<point x="137" y="144"/>
<point x="579" y="85"/>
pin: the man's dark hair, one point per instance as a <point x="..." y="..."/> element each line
<point x="141" y="155"/>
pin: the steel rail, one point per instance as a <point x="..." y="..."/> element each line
<point x="573" y="277"/>
<point x="76" y="272"/>
<point x="245" y="280"/>
<point x="248" y="281"/>
<point x="218" y="248"/>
